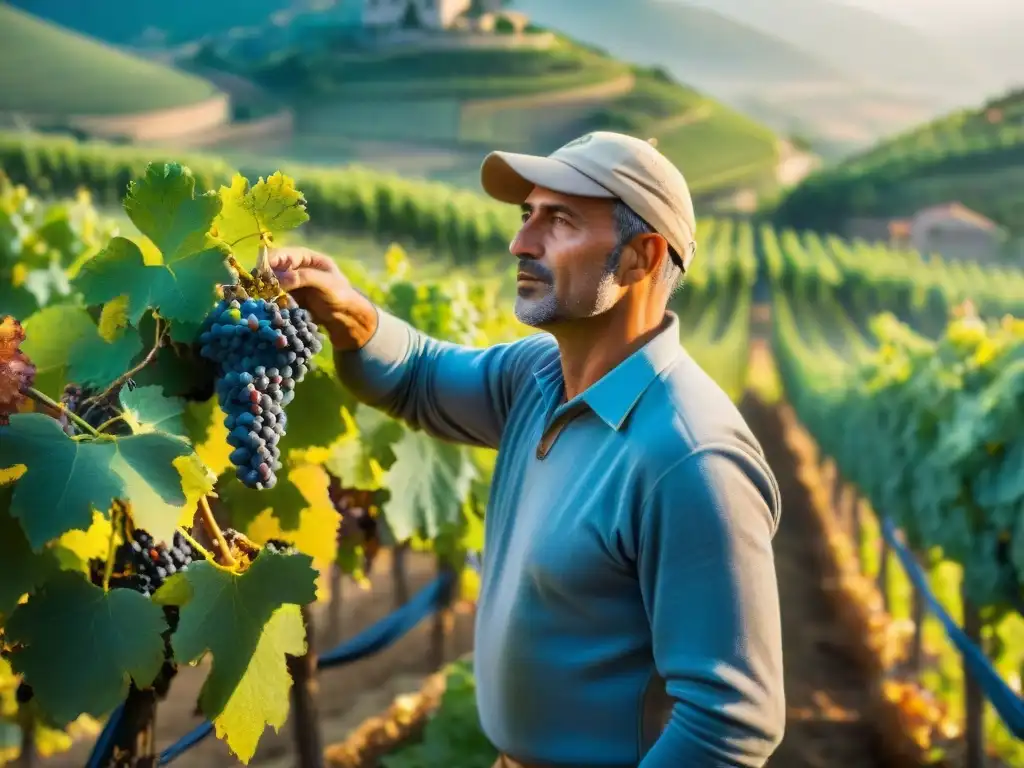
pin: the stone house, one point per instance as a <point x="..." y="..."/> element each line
<point x="430" y="14"/>
<point x="951" y="230"/>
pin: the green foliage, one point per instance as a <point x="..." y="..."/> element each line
<point x="453" y="735"/>
<point x="84" y="672"/>
<point x="247" y="622"/>
<point x="973" y="156"/>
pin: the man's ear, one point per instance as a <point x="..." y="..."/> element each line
<point x="643" y="257"/>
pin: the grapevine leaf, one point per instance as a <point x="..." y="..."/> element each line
<point x="248" y="215"/>
<point x="65" y="479"/>
<point x="238" y="618"/>
<point x="147" y="410"/>
<point x="182" y="288"/>
<point x="113" y="318"/>
<point x="315" y="416"/>
<point x="90" y="543"/>
<point x="51" y="335"/>
<point x="21" y="569"/>
<point x="204" y="425"/>
<point x="285" y="500"/>
<point x="164" y="207"/>
<point x="428" y="483"/>
<point x="317" y="531"/>
<point x="196" y="481"/>
<point x="85" y="672"/>
<point x="350" y="461"/>
<point x="96" y="362"/>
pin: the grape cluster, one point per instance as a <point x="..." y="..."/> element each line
<point x="359" y="510"/>
<point x="262" y="351"/>
<point x="94" y="410"/>
<point x="143" y="565"/>
<point x="279" y="547"/>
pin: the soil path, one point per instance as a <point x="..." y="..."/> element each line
<point x="825" y="694"/>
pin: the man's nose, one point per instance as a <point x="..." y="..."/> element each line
<point x="524" y="245"/>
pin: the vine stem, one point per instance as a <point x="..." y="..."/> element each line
<point x="120" y="381"/>
<point x="214" y="532"/>
<point x="115" y="520"/>
<point x="46" y="400"/>
<point x="196" y="545"/>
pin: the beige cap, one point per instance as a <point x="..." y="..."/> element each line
<point x="603" y="164"/>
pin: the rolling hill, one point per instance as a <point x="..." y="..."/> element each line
<point x="48" y="70"/>
<point x="973" y="156"/>
<point x="437" y="111"/>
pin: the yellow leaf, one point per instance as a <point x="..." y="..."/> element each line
<point x="92" y="543"/>
<point x="197" y="480"/>
<point x="317" y="534"/>
<point x="114" y="318"/>
<point x="214" y="449"/>
<point x="264" y="685"/>
<point x="12" y="473"/>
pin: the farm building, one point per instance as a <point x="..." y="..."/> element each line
<point x="951" y="230"/>
<point x="431" y="14"/>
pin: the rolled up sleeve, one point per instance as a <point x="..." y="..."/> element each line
<point x="451" y="391"/>
<point x="707" y="576"/>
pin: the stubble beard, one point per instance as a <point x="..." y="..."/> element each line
<point x="544" y="311"/>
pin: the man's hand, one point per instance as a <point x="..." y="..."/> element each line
<point x="317" y="284"/>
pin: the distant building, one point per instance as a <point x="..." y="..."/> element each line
<point x="429" y="14"/>
<point x="951" y="230"/>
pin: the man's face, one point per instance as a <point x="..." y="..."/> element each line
<point x="565" y="248"/>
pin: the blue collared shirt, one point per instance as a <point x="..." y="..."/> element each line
<point x="628" y="612"/>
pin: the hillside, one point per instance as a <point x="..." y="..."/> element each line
<point x="774" y="78"/>
<point x="436" y="111"/>
<point x="45" y="69"/>
<point x="972" y="156"/>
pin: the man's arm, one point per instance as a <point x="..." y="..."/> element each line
<point x="454" y="392"/>
<point x="708" y="581"/>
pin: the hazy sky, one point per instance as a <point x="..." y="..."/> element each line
<point x="937" y="13"/>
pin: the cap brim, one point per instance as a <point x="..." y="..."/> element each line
<point x="510" y="177"/>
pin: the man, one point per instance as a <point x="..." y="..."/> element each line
<point x="628" y="612"/>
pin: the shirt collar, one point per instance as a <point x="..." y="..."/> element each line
<point x="614" y="395"/>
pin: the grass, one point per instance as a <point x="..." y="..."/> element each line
<point x="45" y="69"/>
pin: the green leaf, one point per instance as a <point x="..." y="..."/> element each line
<point x="428" y="483"/>
<point x="246" y="504"/>
<point x="248" y="215"/>
<point x="164" y="207"/>
<point x="51" y="336"/>
<point x="147" y="410"/>
<point x="21" y="569"/>
<point x="248" y="622"/>
<point x="65" y="479"/>
<point x="98" y="363"/>
<point x="82" y="647"/>
<point x="182" y="288"/>
<point x="315" y="416"/>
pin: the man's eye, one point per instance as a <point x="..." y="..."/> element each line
<point x="558" y="219"/>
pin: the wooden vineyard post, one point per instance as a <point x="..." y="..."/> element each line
<point x="135" y="742"/>
<point x="439" y="632"/>
<point x="974" y="703"/>
<point x="335" y="604"/>
<point x="27" y="754"/>
<point x="305" y="714"/>
<point x="399" y="574"/>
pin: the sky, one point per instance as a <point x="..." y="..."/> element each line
<point x="937" y="14"/>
